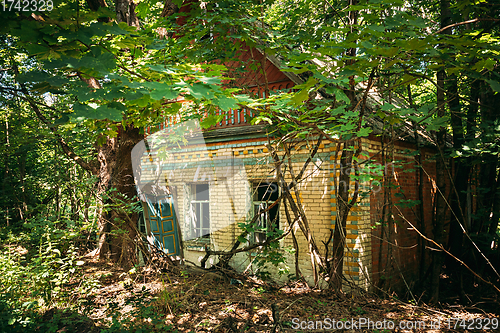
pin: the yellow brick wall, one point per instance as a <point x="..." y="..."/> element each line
<point x="230" y="199"/>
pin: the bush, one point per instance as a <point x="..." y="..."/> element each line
<point x="35" y="265"/>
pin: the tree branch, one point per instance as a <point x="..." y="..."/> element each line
<point x="90" y="167"/>
<point x="441" y="248"/>
<point x="464" y="22"/>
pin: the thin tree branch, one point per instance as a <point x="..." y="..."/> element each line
<point x="90" y="167"/>
<point x="465" y="22"/>
<point x="441" y="247"/>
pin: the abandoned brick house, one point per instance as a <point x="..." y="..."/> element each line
<point x="224" y="176"/>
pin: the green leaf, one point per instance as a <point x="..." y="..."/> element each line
<point x="63" y="120"/>
<point x="243" y="99"/>
<point x="436" y="124"/>
<point x="259" y="119"/>
<point x="298" y="98"/>
<point x="365" y="131"/>
<point x="324" y="78"/>
<point x="36" y="49"/>
<point x="387" y="107"/>
<point x="226" y="103"/>
<point x="160" y="90"/>
<point x="339" y="94"/>
<point x="417" y="44"/>
<point x="163" y="69"/>
<point x="33" y="76"/>
<point x="303" y="95"/>
<point x="489" y="64"/>
<point x="347" y="72"/>
<point x="337" y="111"/>
<point x="174" y="108"/>
<point x="99" y="113"/>
<point x="142" y="9"/>
<point x="495" y="85"/>
<point x="366" y="44"/>
<point x="376" y="27"/>
<point x="210" y="80"/>
<point x="210" y="121"/>
<point x="200" y="90"/>
<point x="141" y="102"/>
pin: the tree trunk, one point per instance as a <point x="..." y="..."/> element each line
<point x="419" y="174"/>
<point x="495" y="216"/>
<point x="488" y="163"/>
<point x="339" y="235"/>
<point x="440" y="214"/>
<point x="125" y="12"/>
<point x="386" y="262"/>
<point x="6" y="175"/>
<point x="343" y="206"/>
<point x="117" y="226"/>
<point x="459" y="180"/>
<point x="116" y="187"/>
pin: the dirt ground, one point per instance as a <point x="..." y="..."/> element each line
<point x="190" y="299"/>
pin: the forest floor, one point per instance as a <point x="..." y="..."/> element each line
<point x="190" y="299"/>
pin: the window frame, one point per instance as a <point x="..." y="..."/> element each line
<point x="257" y="237"/>
<point x="196" y="231"/>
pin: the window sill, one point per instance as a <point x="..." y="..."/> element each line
<point x="194" y="245"/>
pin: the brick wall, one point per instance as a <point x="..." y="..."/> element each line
<point x="396" y="246"/>
<point x="230" y="169"/>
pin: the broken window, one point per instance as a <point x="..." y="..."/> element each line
<point x="141" y="223"/>
<point x="264" y="195"/>
<point x="200" y="212"/>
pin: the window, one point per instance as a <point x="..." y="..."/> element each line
<point x="199" y="213"/>
<point x="264" y="195"/>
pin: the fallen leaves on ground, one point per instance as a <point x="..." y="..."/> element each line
<point x="190" y="299"/>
